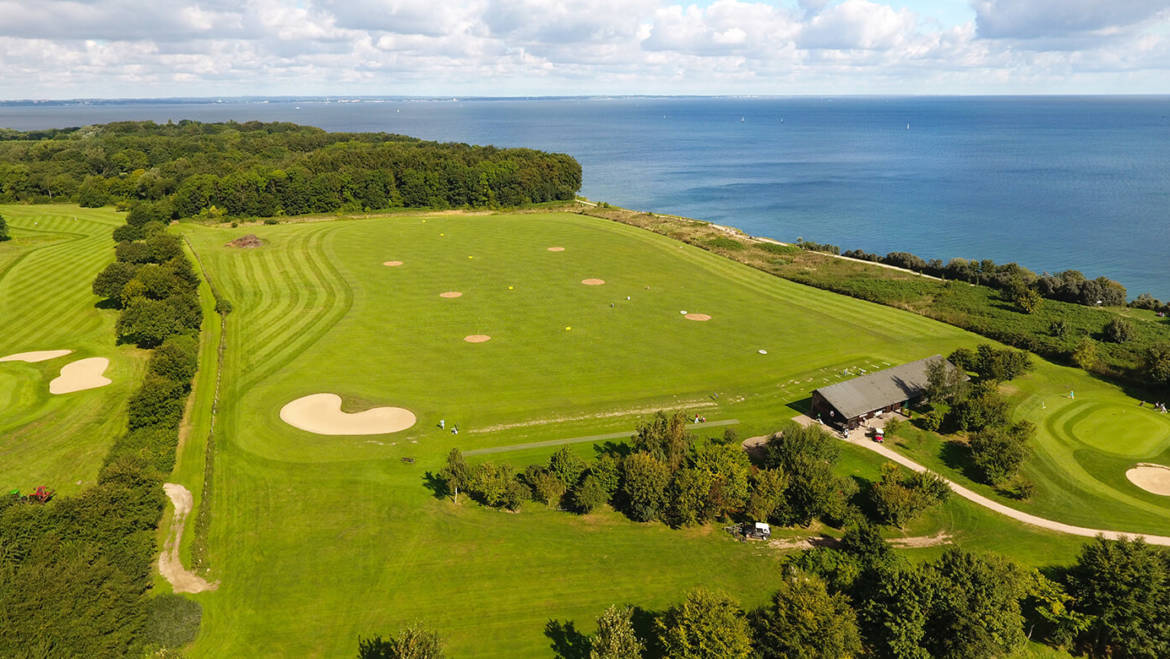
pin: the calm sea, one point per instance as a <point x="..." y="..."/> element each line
<point x="1051" y="183"/>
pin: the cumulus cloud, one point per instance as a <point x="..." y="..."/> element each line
<point x="1061" y="18"/>
<point x="61" y="48"/>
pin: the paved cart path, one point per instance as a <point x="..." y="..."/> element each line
<point x="859" y="439"/>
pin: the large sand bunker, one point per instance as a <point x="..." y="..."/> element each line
<point x="1150" y="477"/>
<point x="477" y="338"/>
<point x="392" y="264"/>
<point x="450" y="294"/>
<point x="321" y="414"/>
<point x="81" y="375"/>
<point x="35" y="356"/>
<point x="593" y="282"/>
<point x="701" y="317"/>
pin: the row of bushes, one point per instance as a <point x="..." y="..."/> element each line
<point x="75" y="574"/>
<point x="1066" y="286"/>
<point x="269" y="169"/>
<point x="665" y="475"/>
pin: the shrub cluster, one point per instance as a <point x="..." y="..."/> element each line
<point x="270" y="169"/>
<point x="1066" y="286"/>
<point x="153" y="284"/>
<point x="666" y="476"/>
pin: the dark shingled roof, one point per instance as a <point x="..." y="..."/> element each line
<point x="874" y="391"/>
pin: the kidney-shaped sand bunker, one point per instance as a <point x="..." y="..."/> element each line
<point x="321" y="414"/>
<point x="1150" y="477"/>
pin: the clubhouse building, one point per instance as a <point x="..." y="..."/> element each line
<point x="850" y="403"/>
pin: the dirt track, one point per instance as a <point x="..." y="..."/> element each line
<point x="169" y="564"/>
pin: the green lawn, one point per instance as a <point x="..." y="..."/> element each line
<point x="46" y="304"/>
<point x="319" y="539"/>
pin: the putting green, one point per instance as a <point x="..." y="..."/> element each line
<point x="1122" y="430"/>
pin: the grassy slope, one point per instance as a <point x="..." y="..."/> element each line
<point x="332" y="533"/>
<point x="46" y="304"/>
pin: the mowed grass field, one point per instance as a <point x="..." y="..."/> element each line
<point x="46" y="303"/>
<point x="317" y="540"/>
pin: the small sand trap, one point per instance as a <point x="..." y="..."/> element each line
<point x="169" y="564"/>
<point x="701" y="317"/>
<point x="81" y="375"/>
<point x="593" y="282"/>
<point x="1150" y="477"/>
<point x="321" y="414"/>
<point x="35" y="356"/>
<point x="451" y="294"/>
<point x="392" y="264"/>
<point x="556" y="249"/>
<point x="477" y="338"/>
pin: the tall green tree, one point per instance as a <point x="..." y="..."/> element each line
<point x="805" y="620"/>
<point x="1124" y="588"/>
<point x="616" y="638"/>
<point x="414" y="642"/>
<point x="705" y="625"/>
<point x="644" y="486"/>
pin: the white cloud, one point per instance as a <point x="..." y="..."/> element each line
<point x="64" y="48"/>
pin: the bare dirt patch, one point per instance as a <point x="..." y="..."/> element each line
<point x="169" y="564"/>
<point x="250" y="241"/>
<point x="556" y="249"/>
<point x="35" y="356"/>
<point x="451" y="294"/>
<point x="593" y="282"/>
<point x="477" y="338"/>
<point x="392" y="264"/>
<point x="321" y="414"/>
<point x="701" y="317"/>
<point x="81" y="375"/>
<point x="1150" y="477"/>
<point x="912" y="542"/>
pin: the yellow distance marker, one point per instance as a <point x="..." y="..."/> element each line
<point x="471" y="257"/>
<point x="510" y="288"/>
<point x="567" y="328"/>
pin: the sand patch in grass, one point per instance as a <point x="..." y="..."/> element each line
<point x="1150" y="477"/>
<point x="593" y="282"/>
<point x="477" y="338"/>
<point x="321" y="414"/>
<point x="451" y="294"/>
<point x="81" y="375"/>
<point x="35" y="356"/>
<point x="392" y="264"/>
<point x="556" y="249"/>
<point x="701" y="317"/>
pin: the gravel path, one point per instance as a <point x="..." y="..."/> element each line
<point x="169" y="564"/>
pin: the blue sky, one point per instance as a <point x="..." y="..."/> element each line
<point x="121" y="48"/>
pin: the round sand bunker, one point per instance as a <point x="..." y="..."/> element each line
<point x="392" y="264"/>
<point x="477" y="338"/>
<point x="593" y="282"/>
<point x="35" y="356"/>
<point x="450" y="294"/>
<point x="556" y="249"/>
<point x="81" y="375"/>
<point x="321" y="414"/>
<point x="701" y="317"/>
<point x="1150" y="477"/>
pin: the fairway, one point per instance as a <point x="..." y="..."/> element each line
<point x="46" y="304"/>
<point x="313" y="531"/>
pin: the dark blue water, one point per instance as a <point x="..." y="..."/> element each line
<point x="1051" y="183"/>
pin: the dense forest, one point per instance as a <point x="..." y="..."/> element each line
<point x="189" y="168"/>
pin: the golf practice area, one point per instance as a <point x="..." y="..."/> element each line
<point x="359" y="352"/>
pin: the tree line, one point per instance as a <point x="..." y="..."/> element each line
<point x="255" y="169"/>
<point x="861" y="599"/>
<point x="75" y="573"/>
